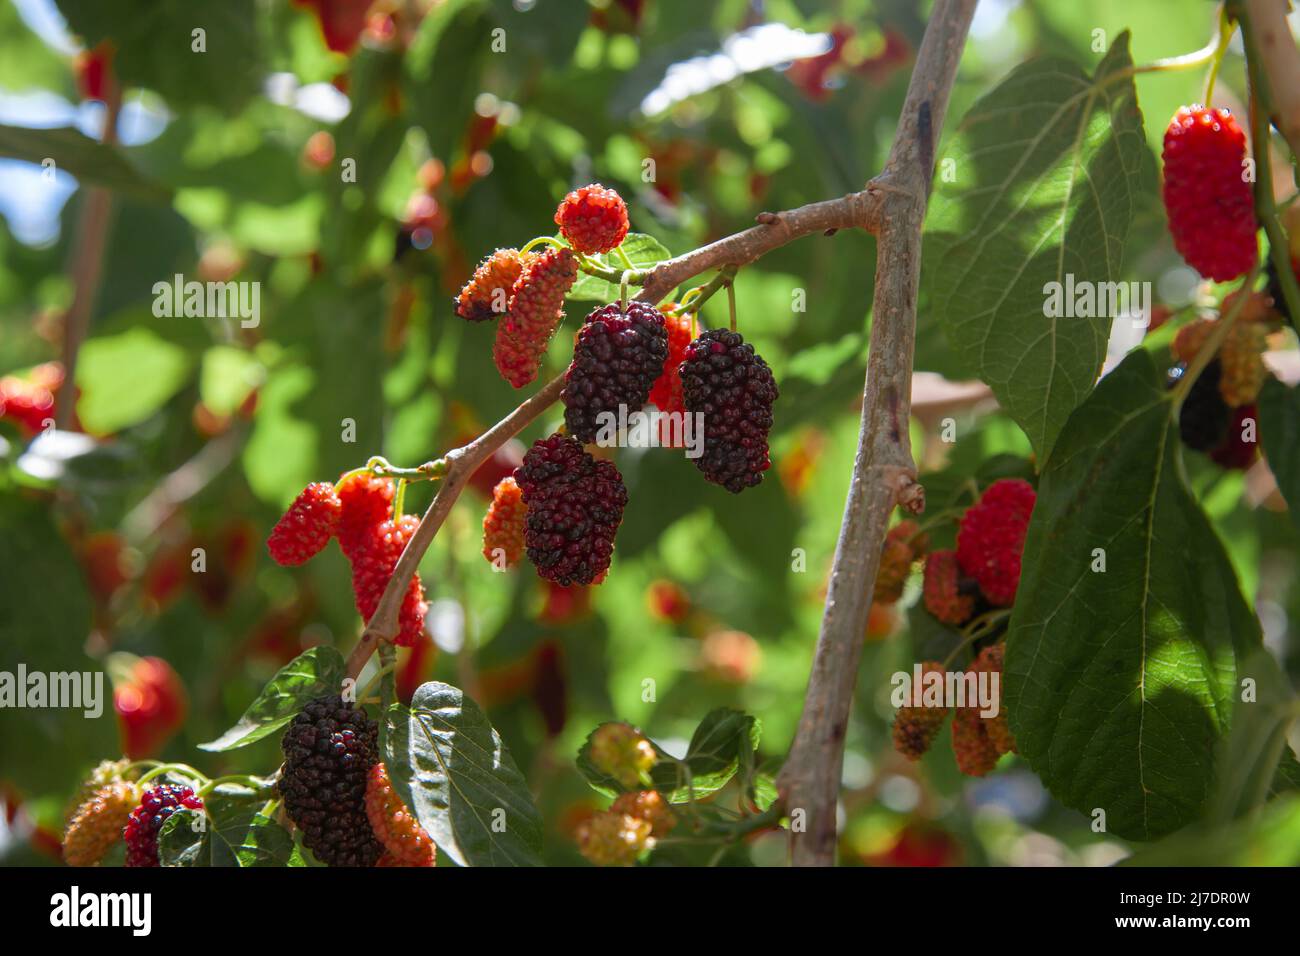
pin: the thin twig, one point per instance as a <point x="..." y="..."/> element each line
<point x="884" y="475"/>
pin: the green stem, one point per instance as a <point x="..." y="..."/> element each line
<point x="399" y="499"/>
<point x="542" y="240"/>
<point x="696" y="297"/>
<point x="380" y="467"/>
<point x="975" y="629"/>
<point x="610" y="274"/>
<point x="183" y="769"/>
<point x="252" y="783"/>
<point x="627" y="263"/>
<point x="1187" y="61"/>
<point x="386" y="667"/>
<point x="1227" y="27"/>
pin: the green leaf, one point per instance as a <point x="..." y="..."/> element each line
<point x="227" y="376"/>
<point x="154" y="46"/>
<point x="240" y="835"/>
<point x="45" y="617"/>
<point x="641" y="249"/>
<point x="125" y="378"/>
<point x="724" y="741"/>
<point x="1270" y="839"/>
<point x="451" y="767"/>
<point x="448" y="48"/>
<point x="1279" y="430"/>
<point x="313" y="673"/>
<point x="231" y="832"/>
<point x="1254" y="760"/>
<point x="1120" y="683"/>
<point x="1048" y="171"/>
<point x="183" y="840"/>
<point x="90" y="161"/>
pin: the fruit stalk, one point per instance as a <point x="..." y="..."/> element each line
<point x="884" y="475"/>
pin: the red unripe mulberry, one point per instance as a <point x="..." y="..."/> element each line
<point x="991" y="538"/>
<point x="1207" y="195"/>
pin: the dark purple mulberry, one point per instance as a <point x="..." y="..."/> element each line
<point x="575" y="504"/>
<point x="328" y="750"/>
<point x="1203" y="420"/>
<point x="724" y="379"/>
<point x="618" y="356"/>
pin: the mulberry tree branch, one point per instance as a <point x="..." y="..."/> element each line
<point x="892" y="206"/>
<point x="1271" y="39"/>
<point x="461" y="464"/>
<point x="857" y="210"/>
<point x="884" y="475"/>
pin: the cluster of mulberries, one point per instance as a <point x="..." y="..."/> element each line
<point x="406" y="843"/>
<point x="977" y="741"/>
<point x="359" y="513"/>
<point x="1206" y="193"/>
<point x="1218" y="415"/>
<point x="329" y="749"/>
<point x="725" y="380"/>
<point x="145" y="822"/>
<point x="575" y="505"/>
<point x="534" y="312"/>
<point x="631" y="825"/>
<point x="564" y="507"/>
<point x="503" y="525"/>
<point x="487" y="294"/>
<point x="619" y="354"/>
<point x="983" y="572"/>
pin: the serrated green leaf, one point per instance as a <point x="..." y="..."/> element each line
<point x="450" y="766"/>
<point x="1048" y="171"/>
<point x="1120" y="683"/>
<point x="641" y="249"/>
<point x="1279" y="430"/>
<point x="313" y="673"/>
